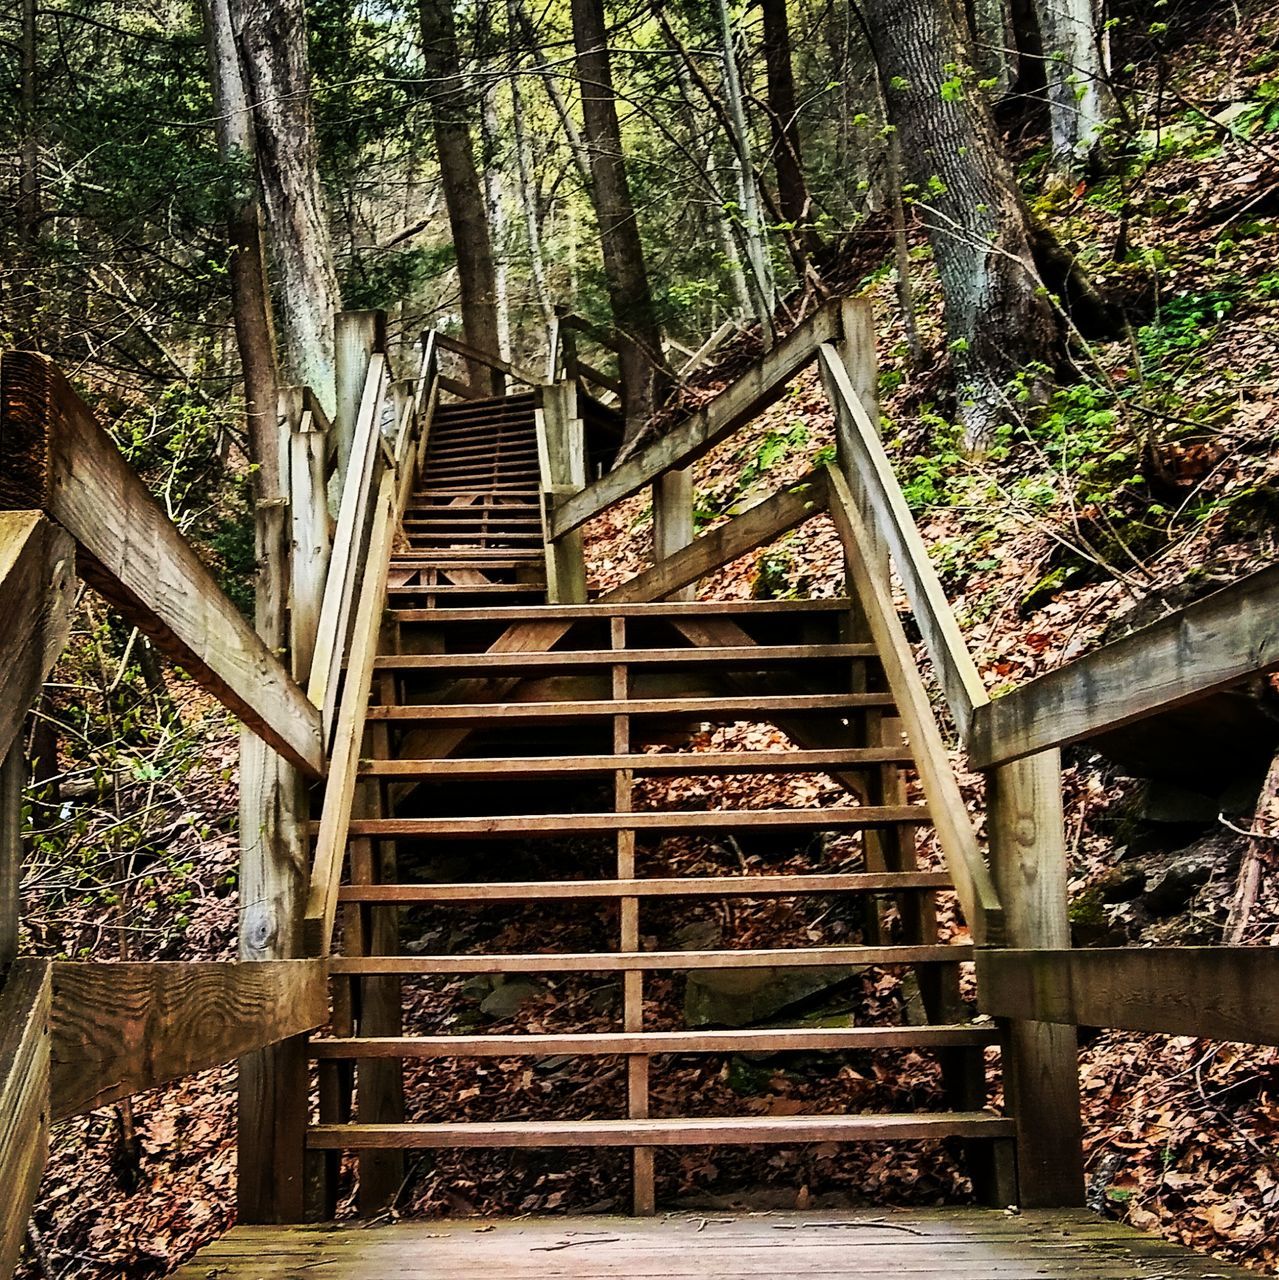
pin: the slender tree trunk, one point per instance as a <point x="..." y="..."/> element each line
<point x="997" y="318"/>
<point x="524" y="170"/>
<point x="1076" y="64"/>
<point x="451" y="111"/>
<point x="29" y="162"/>
<point x="760" y="275"/>
<point x="494" y="199"/>
<point x="788" y="162"/>
<point x="272" y="38"/>
<point x="645" y="375"/>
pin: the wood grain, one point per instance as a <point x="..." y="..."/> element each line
<point x="119" y="1028"/>
<point x="57" y="458"/>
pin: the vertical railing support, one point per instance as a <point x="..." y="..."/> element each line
<point x="561" y="451"/>
<point x="1041" y="1060"/>
<point x="357" y="334"/>
<point x="673" y="521"/>
<point x="310" y="541"/>
<point x="13" y="777"/>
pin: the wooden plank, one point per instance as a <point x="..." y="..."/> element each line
<point x="887" y="517"/>
<point x="458" y="347"/>
<point x="605" y="1043"/>
<point x="732" y="408"/>
<point x="699" y="1132"/>
<point x="345" y="562"/>
<point x="561" y="451"/>
<point x="309" y="520"/>
<point x="119" y="1028"/>
<point x="610" y="608"/>
<point x="744" y="655"/>
<point x="673" y="519"/>
<point x="57" y="458"/>
<point x="1209" y="645"/>
<point x="642" y="762"/>
<point x="638" y="961"/>
<point x="37" y="584"/>
<point x="782" y="511"/>
<point x="459" y="388"/>
<point x="955" y="833"/>
<point x="1218" y="993"/>
<point x="339" y="795"/>
<point x="747" y="886"/>
<point x="555" y="824"/>
<point x="357" y="334"/>
<point x="1026" y="833"/>
<point x="24" y="1100"/>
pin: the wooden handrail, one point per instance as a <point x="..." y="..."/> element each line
<point x="345" y="560"/>
<point x="1209" y="645"/>
<point x="973" y="884"/>
<point x="1221" y="993"/>
<point x="24" y="1100"/>
<point x="458" y="347"/>
<point x="58" y="459"/>
<point x="731" y="409"/>
<point x="887" y="515"/>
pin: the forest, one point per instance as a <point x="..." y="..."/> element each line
<point x="1064" y="215"/>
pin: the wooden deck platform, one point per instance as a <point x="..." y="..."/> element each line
<point x="959" y="1244"/>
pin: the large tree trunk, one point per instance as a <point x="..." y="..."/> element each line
<point x="451" y="109"/>
<point x="998" y="319"/>
<point x="645" y="376"/>
<point x="788" y="162"/>
<point x="273" y="51"/>
<point x="1080" y="101"/>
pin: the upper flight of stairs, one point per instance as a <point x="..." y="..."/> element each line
<point x="474" y="527"/>
<point x="527" y="769"/>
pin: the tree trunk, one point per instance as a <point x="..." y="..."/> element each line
<point x="1076" y="65"/>
<point x="496" y="205"/>
<point x="645" y="376"/>
<point x="451" y="110"/>
<point x="29" y="172"/>
<point x="997" y="318"/>
<point x="760" y="275"/>
<point x="788" y="162"/>
<point x="273" y="51"/>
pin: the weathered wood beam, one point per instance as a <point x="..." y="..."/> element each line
<point x="1209" y="645"/>
<point x="757" y="388"/>
<point x="119" y="1028"/>
<point x="973" y="884"/>
<point x="1219" y="993"/>
<point x="458" y="347"/>
<point x="54" y="456"/>
<point x="37" y="585"/>
<point x="761" y="524"/>
<point x="890" y="524"/>
<point x="24" y="1100"/>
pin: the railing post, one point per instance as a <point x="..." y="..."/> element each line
<point x="673" y="521"/>
<point x="561" y="448"/>
<point x="357" y="334"/>
<point x="310" y="540"/>
<point x="1041" y="1062"/>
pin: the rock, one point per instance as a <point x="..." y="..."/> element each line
<point x="506" y="997"/>
<point x="1120" y="884"/>
<point x="739" y="997"/>
<point x="699" y="935"/>
<point x="1178" y="884"/>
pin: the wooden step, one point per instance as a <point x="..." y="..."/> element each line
<point x="603" y="609"/>
<point x="419" y="538"/>
<point x="554" y="824"/>
<point x="513" y="490"/>
<point x="743" y="886"/>
<point x="607" y="1043"/>
<point x="697" y="1132"/>
<point x="638" y="762"/>
<point x="723" y="709"/>
<point x="639" y="961"/>
<point x="470" y="589"/>
<point x="460" y="517"/>
<point x="478" y="558"/>
<point x="519" y="660"/>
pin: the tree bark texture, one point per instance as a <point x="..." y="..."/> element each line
<point x="272" y="39"/>
<point x="998" y="319"/>
<point x="451" y="109"/>
<point x="788" y="161"/>
<point x="645" y="376"/>
<point x="1080" y="101"/>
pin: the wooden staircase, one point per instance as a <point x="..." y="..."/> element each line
<point x="474" y="529"/>
<point x="600" y="766"/>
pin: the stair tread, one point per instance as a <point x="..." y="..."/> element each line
<point x="639" y="762"/>
<point x="663" y="1131"/>
<point x="622" y="961"/>
<point x="521" y="658"/>
<point x="774" y="1040"/>
<point x="641" y="820"/>
<point x="652" y="887"/>
<point x="738" y="707"/>
<point x="602" y="609"/>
